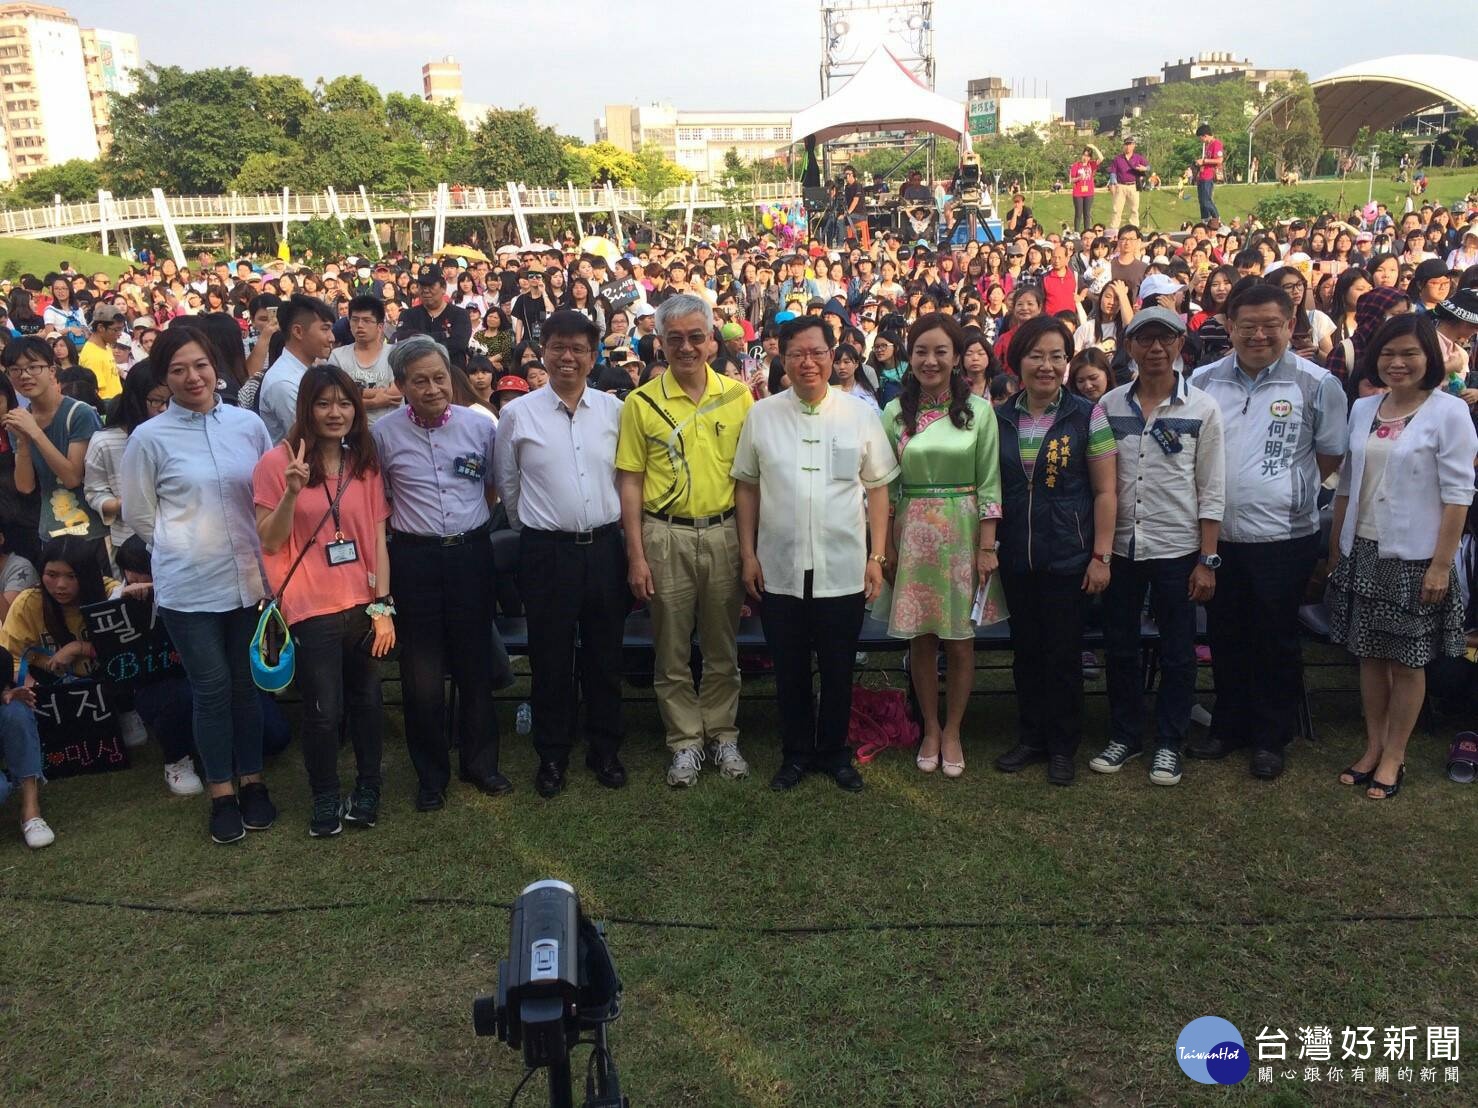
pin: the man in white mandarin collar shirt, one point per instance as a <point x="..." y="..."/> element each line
<point x="812" y="471"/>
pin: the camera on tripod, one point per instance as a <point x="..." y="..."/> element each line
<point x="970" y="191"/>
<point x="557" y="985"/>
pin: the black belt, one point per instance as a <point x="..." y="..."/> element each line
<point x="408" y="539"/>
<point x="687" y="521"/>
<point x="579" y="538"/>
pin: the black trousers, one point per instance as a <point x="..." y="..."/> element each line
<point x="339" y="681"/>
<point x="444" y="605"/>
<point x="1082" y="212"/>
<point x="569" y="589"/>
<point x="797" y="628"/>
<point x="1252" y="622"/>
<point x="1047" y="664"/>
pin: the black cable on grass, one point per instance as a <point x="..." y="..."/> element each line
<point x="1125" y="924"/>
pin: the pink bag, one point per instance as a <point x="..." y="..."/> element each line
<point x="880" y="719"/>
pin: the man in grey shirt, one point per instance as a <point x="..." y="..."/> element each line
<point x="367" y="359"/>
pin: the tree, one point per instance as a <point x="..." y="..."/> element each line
<point x="510" y="145"/>
<point x="435" y="128"/>
<point x="1292" y="139"/>
<point x="74" y="181"/>
<point x="188" y="132"/>
<point x="654" y="175"/>
<point x="1167" y="128"/>
<point x="601" y="162"/>
<point x="350" y="94"/>
<point x="270" y="172"/>
<point x="328" y="238"/>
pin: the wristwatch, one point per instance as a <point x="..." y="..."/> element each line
<point x="1210" y="561"/>
<point x="992" y="548"/>
<point x="1106" y="559"/>
<point x="881" y="559"/>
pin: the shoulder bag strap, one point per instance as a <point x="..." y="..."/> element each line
<point x="332" y="505"/>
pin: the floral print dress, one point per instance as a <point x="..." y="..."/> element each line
<point x="950" y="481"/>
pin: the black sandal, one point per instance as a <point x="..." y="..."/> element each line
<point x="1359" y="778"/>
<point x="1388" y="791"/>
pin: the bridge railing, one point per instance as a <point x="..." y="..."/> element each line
<point x="61" y="219"/>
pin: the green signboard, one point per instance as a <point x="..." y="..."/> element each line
<point x="984" y="116"/>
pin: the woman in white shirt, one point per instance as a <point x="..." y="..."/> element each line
<point x="848" y="375"/>
<point x="1403" y="497"/>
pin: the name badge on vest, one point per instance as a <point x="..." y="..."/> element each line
<point x="1169" y="440"/>
<point x="342" y="551"/>
<point x="470" y="466"/>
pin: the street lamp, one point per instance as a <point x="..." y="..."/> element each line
<point x="1370" y="193"/>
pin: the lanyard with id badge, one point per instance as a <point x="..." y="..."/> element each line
<point x="341" y="551"/>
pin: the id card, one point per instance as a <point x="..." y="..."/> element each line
<point x="1169" y="441"/>
<point x="470" y="466"/>
<point x="342" y="552"/>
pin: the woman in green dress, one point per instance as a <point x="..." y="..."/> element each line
<point x="942" y="544"/>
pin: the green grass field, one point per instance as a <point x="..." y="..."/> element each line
<point x="995" y="940"/>
<point x="18" y="256"/>
<point x="1160" y="210"/>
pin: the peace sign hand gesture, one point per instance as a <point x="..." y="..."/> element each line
<point x="297" y="469"/>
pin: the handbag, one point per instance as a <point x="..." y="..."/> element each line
<point x="879" y="720"/>
<point x="274" y="660"/>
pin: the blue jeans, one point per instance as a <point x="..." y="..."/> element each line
<point x="21" y="742"/>
<point x="1167" y="580"/>
<point x="214" y="647"/>
<point x="1203" y="196"/>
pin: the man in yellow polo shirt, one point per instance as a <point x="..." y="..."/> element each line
<point x="97" y="352"/>
<point x="679" y="434"/>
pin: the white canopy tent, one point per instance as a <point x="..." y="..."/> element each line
<point x="881" y="96"/>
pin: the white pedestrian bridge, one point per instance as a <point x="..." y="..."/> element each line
<point x="109" y="215"/>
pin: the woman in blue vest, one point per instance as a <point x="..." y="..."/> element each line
<point x="1058" y="502"/>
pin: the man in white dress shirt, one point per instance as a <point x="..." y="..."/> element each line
<point x="812" y="468"/>
<point x="555" y="467"/>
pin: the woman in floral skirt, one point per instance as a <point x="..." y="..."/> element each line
<point x="1403" y="497"/>
<point x="943" y="540"/>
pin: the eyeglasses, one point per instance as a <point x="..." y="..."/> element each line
<point x="1054" y="359"/>
<point x="1162" y="339"/>
<point x="27" y="370"/>
<point x="799" y="357"/>
<point x="557" y="351"/>
<point x="1250" y="330"/>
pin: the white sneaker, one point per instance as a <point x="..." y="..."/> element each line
<point x="37" y="833"/>
<point x="731" y="763"/>
<point x="132" y="728"/>
<point x="683" y="773"/>
<point x="182" y="779"/>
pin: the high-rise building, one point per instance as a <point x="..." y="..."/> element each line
<point x="441" y="83"/>
<point x="696" y="140"/>
<point x="111" y="59"/>
<point x="46" y="109"/>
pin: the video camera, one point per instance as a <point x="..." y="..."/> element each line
<point x="970" y="192"/>
<point x="557" y="984"/>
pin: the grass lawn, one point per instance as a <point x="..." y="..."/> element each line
<point x="1076" y="930"/>
<point x="1161" y="211"/>
<point x="18" y="256"/>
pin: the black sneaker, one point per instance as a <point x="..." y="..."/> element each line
<point x="362" y="809"/>
<point x="257" y="810"/>
<point x="324" y="823"/>
<point x="225" y="820"/>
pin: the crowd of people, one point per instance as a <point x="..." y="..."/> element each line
<point x="1062" y="429"/>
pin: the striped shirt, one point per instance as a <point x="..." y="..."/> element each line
<point x="1031" y="430"/>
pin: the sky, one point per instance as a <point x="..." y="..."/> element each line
<point x="568" y="58"/>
